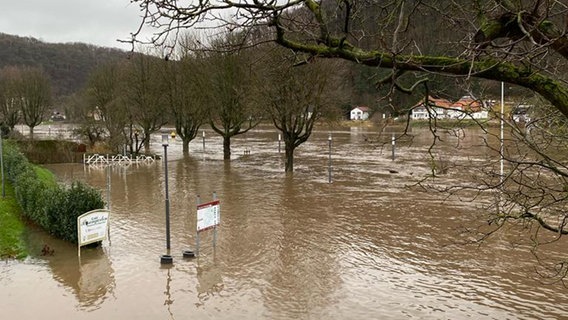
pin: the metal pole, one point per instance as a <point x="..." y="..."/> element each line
<point x="329" y="162"/>
<point x="393" y="147"/>
<point x="197" y="235"/>
<point x="203" y="141"/>
<point x="279" y="141"/>
<point x="214" y="228"/>
<point x="108" y="200"/>
<point x="502" y="147"/>
<point x="166" y="258"/>
<point x="167" y="198"/>
<point x="2" y="164"/>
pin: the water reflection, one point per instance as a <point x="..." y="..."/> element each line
<point x="169" y="299"/>
<point x="209" y="276"/>
<point x="96" y="281"/>
<point x="90" y="277"/>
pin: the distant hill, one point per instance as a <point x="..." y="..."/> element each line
<point x="68" y="64"/>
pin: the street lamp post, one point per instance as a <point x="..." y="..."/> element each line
<point x="502" y="137"/>
<point x="166" y="258"/>
<point x="393" y="143"/>
<point x="329" y="162"/>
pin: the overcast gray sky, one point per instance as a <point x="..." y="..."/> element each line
<point x="98" y="22"/>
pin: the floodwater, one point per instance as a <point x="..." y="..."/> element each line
<point x="365" y="246"/>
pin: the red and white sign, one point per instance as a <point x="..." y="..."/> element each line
<point x="208" y="215"/>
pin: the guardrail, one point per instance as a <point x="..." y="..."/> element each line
<point x="120" y="159"/>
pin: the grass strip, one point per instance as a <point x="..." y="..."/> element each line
<point x="11" y="226"/>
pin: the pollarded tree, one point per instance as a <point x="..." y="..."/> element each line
<point x="145" y="96"/>
<point x="298" y="96"/>
<point x="184" y="79"/>
<point x="10" y="102"/>
<point x="34" y="90"/>
<point x="231" y="94"/>
<point x="106" y="104"/>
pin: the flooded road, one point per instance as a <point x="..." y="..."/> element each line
<point x="362" y="247"/>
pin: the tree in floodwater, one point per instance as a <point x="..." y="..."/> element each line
<point x="145" y="96"/>
<point x="34" y="90"/>
<point x="184" y="79"/>
<point x="105" y="105"/>
<point x="10" y="101"/>
<point x="232" y="102"/>
<point x="298" y="96"/>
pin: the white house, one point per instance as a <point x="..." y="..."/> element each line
<point x="468" y="108"/>
<point x="437" y="108"/>
<point x="465" y="108"/>
<point x="360" y="113"/>
<point x="521" y="113"/>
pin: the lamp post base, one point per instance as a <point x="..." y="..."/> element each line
<point x="188" y="254"/>
<point x="166" y="259"/>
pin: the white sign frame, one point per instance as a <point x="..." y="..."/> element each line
<point x="92" y="226"/>
<point x="208" y="215"/>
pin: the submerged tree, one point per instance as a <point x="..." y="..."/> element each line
<point x="10" y="101"/>
<point x="34" y="90"/>
<point x="298" y="96"/>
<point x="185" y="93"/>
<point x="232" y="102"/>
<point x="106" y="104"/>
<point x="145" y="96"/>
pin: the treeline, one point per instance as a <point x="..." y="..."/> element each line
<point x="67" y="65"/>
<point x="230" y="86"/>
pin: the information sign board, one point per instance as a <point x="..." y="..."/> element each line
<point x="208" y="215"/>
<point x="92" y="226"/>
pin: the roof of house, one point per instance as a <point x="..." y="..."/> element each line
<point x="362" y="108"/>
<point x="435" y="102"/>
<point x="467" y="103"/>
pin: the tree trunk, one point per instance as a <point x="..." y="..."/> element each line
<point x="289" y="167"/>
<point x="185" y="146"/>
<point x="31" y="133"/>
<point x="227" y="148"/>
<point x="147" y="144"/>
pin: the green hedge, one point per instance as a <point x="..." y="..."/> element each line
<point x="52" y="206"/>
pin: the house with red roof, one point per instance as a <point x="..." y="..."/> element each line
<point x="468" y="108"/>
<point x="436" y="108"/>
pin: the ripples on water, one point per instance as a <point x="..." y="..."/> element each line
<point x="363" y="247"/>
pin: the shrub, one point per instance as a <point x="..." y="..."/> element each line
<point x="52" y="206"/>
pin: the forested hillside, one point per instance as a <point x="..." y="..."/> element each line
<point x="68" y="64"/>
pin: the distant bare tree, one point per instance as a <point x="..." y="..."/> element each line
<point x="34" y="90"/>
<point x="184" y="79"/>
<point x="10" y="101"/>
<point x="233" y="107"/>
<point x="145" y="96"/>
<point x="106" y="104"/>
<point x="298" y="96"/>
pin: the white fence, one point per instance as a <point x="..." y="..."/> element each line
<point x="106" y="159"/>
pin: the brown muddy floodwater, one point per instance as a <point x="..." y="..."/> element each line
<point x="362" y="247"/>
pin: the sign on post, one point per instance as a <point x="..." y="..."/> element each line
<point x="92" y="227"/>
<point x="208" y="215"/>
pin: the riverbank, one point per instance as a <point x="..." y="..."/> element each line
<point x="11" y="226"/>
